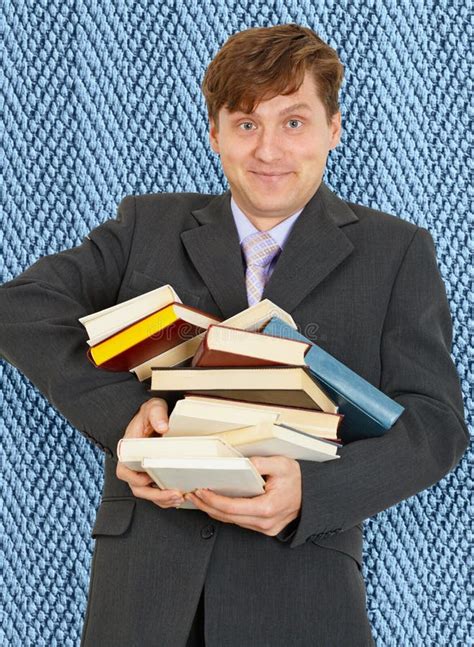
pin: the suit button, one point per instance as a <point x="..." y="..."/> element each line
<point x="208" y="531"/>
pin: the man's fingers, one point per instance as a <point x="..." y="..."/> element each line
<point x="132" y="477"/>
<point x="245" y="521"/>
<point x="156" y="413"/>
<point x="152" y="417"/>
<point x="140" y="484"/>
<point x="163" y="498"/>
<point x="148" y="419"/>
<point x="257" y="506"/>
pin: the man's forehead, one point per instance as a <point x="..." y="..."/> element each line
<point x="304" y="98"/>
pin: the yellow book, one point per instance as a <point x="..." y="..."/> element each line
<point x="134" y="334"/>
<point x="149" y="336"/>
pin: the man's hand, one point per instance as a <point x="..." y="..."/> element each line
<point x="152" y="417"/>
<point x="267" y="513"/>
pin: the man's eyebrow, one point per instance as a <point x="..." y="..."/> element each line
<point x="285" y="111"/>
<point x="294" y="107"/>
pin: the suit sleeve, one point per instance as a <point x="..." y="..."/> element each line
<point x="428" y="439"/>
<point x="41" y="336"/>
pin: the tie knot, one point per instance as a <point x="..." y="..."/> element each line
<point x="259" y="248"/>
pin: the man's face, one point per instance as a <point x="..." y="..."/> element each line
<point x="274" y="157"/>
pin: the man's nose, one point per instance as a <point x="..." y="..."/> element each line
<point x="268" y="146"/>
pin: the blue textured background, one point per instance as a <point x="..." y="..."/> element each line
<point x="102" y="99"/>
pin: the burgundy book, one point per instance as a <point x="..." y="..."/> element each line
<point x="224" y="346"/>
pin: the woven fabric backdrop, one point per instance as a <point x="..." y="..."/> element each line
<point x="101" y="100"/>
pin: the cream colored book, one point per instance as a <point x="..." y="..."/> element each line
<point x="292" y="386"/>
<point x="104" y="323"/>
<point x="132" y="451"/>
<point x="316" y="423"/>
<point x="229" y="476"/>
<point x="190" y="418"/>
<point x="268" y="439"/>
<point x="256" y="317"/>
<point x="253" y="318"/>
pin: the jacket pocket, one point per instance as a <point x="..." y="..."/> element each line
<point x="114" y="517"/>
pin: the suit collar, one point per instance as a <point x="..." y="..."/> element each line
<point x="214" y="249"/>
<point x="315" y="247"/>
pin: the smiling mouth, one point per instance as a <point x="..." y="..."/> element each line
<point x="270" y="176"/>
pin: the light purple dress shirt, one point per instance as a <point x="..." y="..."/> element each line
<point x="279" y="233"/>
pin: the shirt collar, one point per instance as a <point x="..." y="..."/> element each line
<point x="279" y="233"/>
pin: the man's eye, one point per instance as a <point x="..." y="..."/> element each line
<point x="293" y="123"/>
<point x="246" y="125"/>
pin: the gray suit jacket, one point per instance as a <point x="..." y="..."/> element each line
<point x="362" y="284"/>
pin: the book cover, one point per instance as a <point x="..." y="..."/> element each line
<point x="367" y="411"/>
<point x="132" y="451"/>
<point x="269" y="439"/>
<point x="233" y="477"/>
<point x="104" y="323"/>
<point x="285" y="385"/>
<point x="225" y="346"/>
<point x="195" y="415"/>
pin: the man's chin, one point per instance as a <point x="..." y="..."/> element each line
<point x="268" y="199"/>
<point x="271" y="211"/>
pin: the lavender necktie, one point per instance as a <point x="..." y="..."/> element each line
<point x="259" y="250"/>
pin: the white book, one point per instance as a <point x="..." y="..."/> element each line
<point x="268" y="439"/>
<point x="200" y="419"/>
<point x="132" y="451"/>
<point x="233" y="477"/>
<point x="315" y="423"/>
<point x="257" y="316"/>
<point x="107" y="322"/>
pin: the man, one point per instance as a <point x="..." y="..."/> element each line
<point x="285" y="567"/>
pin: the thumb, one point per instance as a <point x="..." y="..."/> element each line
<point x="157" y="417"/>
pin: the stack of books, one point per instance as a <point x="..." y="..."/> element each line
<point x="157" y="329"/>
<point x="251" y="385"/>
<point x="126" y="336"/>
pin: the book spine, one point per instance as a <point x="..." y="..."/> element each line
<point x="342" y="379"/>
<point x="201" y="351"/>
<point x="217" y="358"/>
<point x="154" y="345"/>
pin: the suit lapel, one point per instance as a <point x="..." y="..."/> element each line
<point x="315" y="247"/>
<point x="214" y="249"/>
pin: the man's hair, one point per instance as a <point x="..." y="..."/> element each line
<point x="260" y="63"/>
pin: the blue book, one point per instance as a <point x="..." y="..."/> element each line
<point x="367" y="411"/>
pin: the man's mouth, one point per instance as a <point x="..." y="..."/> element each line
<point x="270" y="177"/>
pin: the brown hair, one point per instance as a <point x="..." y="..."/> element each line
<point x="260" y="63"/>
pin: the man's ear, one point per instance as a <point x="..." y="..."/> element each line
<point x="335" y="130"/>
<point x="213" y="135"/>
